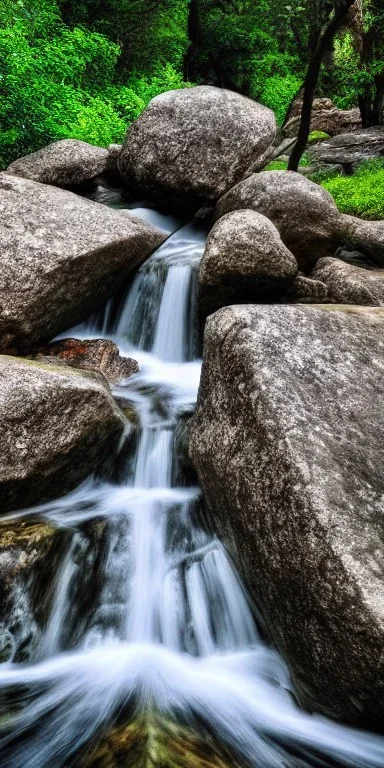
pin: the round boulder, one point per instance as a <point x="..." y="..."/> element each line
<point x="63" y="163"/>
<point x="304" y="213"/>
<point x="348" y="284"/>
<point x="244" y="259"/>
<point x="195" y="143"/>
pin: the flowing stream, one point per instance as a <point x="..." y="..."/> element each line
<point x="145" y="614"/>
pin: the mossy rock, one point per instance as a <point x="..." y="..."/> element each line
<point x="317" y="136"/>
<point x="156" y="743"/>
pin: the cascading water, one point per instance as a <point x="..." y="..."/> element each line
<point x="168" y="627"/>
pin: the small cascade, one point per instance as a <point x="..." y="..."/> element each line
<point x="168" y="634"/>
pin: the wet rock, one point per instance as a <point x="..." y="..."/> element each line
<point x="305" y="290"/>
<point x="325" y="117"/>
<point x="348" y="284"/>
<point x="99" y="355"/>
<point x="288" y="442"/>
<point x="303" y="212"/>
<point x="23" y="553"/>
<point x="61" y="257"/>
<point x="64" y="163"/>
<point x="244" y="257"/>
<point x="160" y="743"/>
<point x="57" y="427"/>
<point x="195" y="143"/>
<point x="349" y="149"/>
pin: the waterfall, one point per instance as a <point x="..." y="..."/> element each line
<point x="169" y="627"/>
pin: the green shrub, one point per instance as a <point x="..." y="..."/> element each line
<point x="361" y="194"/>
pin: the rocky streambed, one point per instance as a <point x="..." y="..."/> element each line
<point x="127" y="635"/>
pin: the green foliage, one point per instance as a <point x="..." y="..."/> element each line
<point x="278" y="93"/>
<point x="361" y="194"/>
<point x="57" y="82"/>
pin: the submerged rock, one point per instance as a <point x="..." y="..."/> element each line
<point x="63" y="163"/>
<point x="195" y="143"/>
<point x="288" y="442"/>
<point x="244" y="258"/>
<point x="23" y="555"/>
<point x="99" y="355"/>
<point x="159" y="743"/>
<point x="303" y="212"/>
<point x="61" y="257"/>
<point x="57" y="427"/>
<point x="348" y="284"/>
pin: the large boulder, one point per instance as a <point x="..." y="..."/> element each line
<point x="57" y="426"/>
<point x="64" y="163"/>
<point x="244" y="258"/>
<point x="61" y="257"/>
<point x="326" y="117"/>
<point x="100" y="355"/>
<point x="195" y="143"/>
<point x="288" y="442"/>
<point x="349" y="149"/>
<point x="304" y="213"/>
<point x="348" y="284"/>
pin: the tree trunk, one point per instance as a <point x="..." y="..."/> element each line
<point x="323" y="44"/>
<point x="190" y="69"/>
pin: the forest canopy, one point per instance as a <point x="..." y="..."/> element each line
<point x="86" y="68"/>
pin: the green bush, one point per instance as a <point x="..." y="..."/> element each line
<point x="57" y="82"/>
<point x="361" y="194"/>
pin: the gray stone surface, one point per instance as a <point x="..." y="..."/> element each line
<point x="60" y="258"/>
<point x="288" y="442"/>
<point x="195" y="143"/>
<point x="63" y="163"/>
<point x="244" y="257"/>
<point x="304" y="213"/>
<point x="349" y="148"/>
<point x="348" y="284"/>
<point x="305" y="290"/>
<point x="56" y="425"/>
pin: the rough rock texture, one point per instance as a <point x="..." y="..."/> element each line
<point x="56" y="424"/>
<point x="364" y="236"/>
<point x="98" y="355"/>
<point x="325" y="117"/>
<point x="288" y="442"/>
<point x="303" y="212"/>
<point x="195" y="143"/>
<point x="64" y="163"/>
<point x="347" y="284"/>
<point x="349" y="148"/>
<point x="60" y="258"/>
<point x="244" y="257"/>
<point x="305" y="290"/>
<point x="306" y="216"/>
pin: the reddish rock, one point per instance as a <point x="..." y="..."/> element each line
<point x="325" y="117"/>
<point x="98" y="355"/>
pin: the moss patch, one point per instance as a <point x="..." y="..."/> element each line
<point x="359" y="195"/>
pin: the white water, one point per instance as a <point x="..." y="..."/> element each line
<point x="170" y="625"/>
